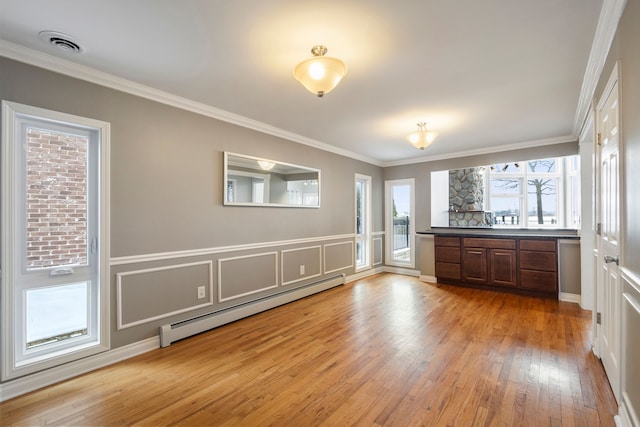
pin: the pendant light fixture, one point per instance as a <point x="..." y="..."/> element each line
<point x="422" y="138"/>
<point x="320" y="74"/>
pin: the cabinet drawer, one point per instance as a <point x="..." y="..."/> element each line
<point x="545" y="281"/>
<point x="544" y="261"/>
<point x="448" y="254"/>
<point x="475" y="242"/>
<point x="447" y="270"/>
<point x="538" y="245"/>
<point x="447" y="241"/>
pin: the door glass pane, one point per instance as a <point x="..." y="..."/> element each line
<point x="56" y="313"/>
<point x="56" y="199"/>
<point x="401" y="195"/>
<point x="543" y="201"/>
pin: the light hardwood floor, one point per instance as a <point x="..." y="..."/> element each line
<point x="387" y="350"/>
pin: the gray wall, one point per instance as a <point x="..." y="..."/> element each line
<point x="625" y="49"/>
<point x="167" y="196"/>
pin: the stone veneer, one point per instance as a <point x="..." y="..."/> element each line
<point x="466" y="197"/>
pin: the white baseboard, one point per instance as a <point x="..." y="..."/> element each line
<point x="428" y="279"/>
<point x="563" y="296"/>
<point x="362" y="274"/>
<point x="401" y="270"/>
<point x="41" y="379"/>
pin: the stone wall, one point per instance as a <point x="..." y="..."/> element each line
<point x="466" y="198"/>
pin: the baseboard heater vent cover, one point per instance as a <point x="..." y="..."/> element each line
<point x="176" y="331"/>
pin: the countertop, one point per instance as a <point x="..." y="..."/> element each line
<point x="501" y="232"/>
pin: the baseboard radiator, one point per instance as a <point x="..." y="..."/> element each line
<point x="176" y="331"/>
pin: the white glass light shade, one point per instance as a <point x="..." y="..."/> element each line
<point x="320" y="74"/>
<point x="265" y="165"/>
<point x="422" y="138"/>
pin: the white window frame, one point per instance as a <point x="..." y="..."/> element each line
<point x="563" y="204"/>
<point x="13" y="366"/>
<point x="364" y="238"/>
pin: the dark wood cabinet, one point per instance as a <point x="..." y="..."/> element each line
<point x="503" y="267"/>
<point x="526" y="264"/>
<point x="539" y="266"/>
<point x="474" y="261"/>
<point x="447" y="257"/>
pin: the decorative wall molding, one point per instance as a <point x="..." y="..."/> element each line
<point x="605" y="32"/>
<point x="68" y="68"/>
<point x="304" y="277"/>
<point x="221" y="262"/>
<point x="342" y="267"/>
<point x="163" y="256"/>
<point x="378" y="249"/>
<point x="120" y="282"/>
<point x="485" y="150"/>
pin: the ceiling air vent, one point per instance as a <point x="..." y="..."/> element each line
<point x="62" y="41"/>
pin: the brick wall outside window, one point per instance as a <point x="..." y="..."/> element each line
<point x="56" y="199"/>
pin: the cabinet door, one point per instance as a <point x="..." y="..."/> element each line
<point x="474" y="261"/>
<point x="502" y="267"/>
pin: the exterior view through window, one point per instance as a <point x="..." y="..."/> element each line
<point x="400" y="222"/>
<point x="52" y="258"/>
<point x="363" y="222"/>
<point x="547" y="190"/>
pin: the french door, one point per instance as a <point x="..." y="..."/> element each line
<point x="54" y="286"/>
<point x="400" y="223"/>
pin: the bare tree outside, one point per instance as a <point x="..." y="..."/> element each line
<point x="541" y="186"/>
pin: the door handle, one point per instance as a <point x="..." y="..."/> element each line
<point x="62" y="271"/>
<point x="608" y="259"/>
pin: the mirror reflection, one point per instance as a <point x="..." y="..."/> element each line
<point x="254" y="181"/>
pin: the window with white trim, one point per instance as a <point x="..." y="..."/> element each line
<point x="363" y="222"/>
<point x="541" y="193"/>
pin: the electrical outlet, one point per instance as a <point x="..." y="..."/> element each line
<point x="302" y="270"/>
<point x="201" y="292"/>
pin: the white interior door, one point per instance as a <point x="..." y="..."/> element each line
<point x="609" y="283"/>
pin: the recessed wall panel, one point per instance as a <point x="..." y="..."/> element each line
<point x="155" y="293"/>
<point x="377" y="250"/>
<point x="246" y="275"/>
<point x="338" y="256"/>
<point x="301" y="264"/>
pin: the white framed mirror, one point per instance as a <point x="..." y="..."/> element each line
<point x="255" y="181"/>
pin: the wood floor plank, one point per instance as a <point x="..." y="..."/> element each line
<point x="387" y="350"/>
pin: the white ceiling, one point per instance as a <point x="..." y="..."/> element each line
<point x="485" y="74"/>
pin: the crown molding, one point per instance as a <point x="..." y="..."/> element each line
<point x="82" y="72"/>
<point x="605" y="32"/>
<point x="485" y="150"/>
